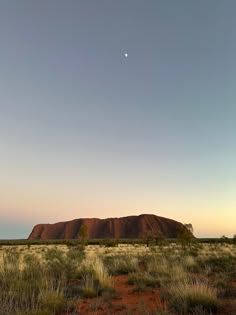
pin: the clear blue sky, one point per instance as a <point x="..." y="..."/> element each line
<point x="87" y="132"/>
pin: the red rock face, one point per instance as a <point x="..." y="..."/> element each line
<point x="125" y="227"/>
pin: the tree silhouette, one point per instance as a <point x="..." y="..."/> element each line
<point x="189" y="226"/>
<point x="184" y="234"/>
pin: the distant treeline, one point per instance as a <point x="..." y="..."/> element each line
<point x="107" y="242"/>
<point x="72" y="242"/>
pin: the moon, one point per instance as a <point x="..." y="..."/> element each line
<point x="126" y="55"/>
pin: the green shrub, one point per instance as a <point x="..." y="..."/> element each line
<point x="144" y="280"/>
<point x="53" y="302"/>
<point x="119" y="265"/>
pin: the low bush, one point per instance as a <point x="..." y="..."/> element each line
<point x="95" y="278"/>
<point x="119" y="265"/>
<point x="187" y="297"/>
<point x="143" y="280"/>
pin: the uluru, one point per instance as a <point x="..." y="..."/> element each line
<point x="124" y="227"/>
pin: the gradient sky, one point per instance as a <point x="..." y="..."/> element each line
<point x="87" y="132"/>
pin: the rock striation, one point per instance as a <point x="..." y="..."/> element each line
<point x="124" y="227"/>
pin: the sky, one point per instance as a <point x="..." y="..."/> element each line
<point x="87" y="131"/>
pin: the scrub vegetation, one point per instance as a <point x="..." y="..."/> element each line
<point x="193" y="278"/>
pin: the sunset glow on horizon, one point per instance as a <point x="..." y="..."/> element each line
<point x="118" y="108"/>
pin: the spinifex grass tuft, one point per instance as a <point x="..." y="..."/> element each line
<point x="187" y="297"/>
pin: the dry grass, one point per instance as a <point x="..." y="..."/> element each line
<point x="38" y="278"/>
<point x="187" y="297"/>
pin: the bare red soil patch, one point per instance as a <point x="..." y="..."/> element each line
<point x="125" y="300"/>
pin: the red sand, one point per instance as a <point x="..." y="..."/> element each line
<point x="126" y="300"/>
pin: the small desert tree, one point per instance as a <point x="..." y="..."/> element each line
<point x="224" y="239"/>
<point x="234" y="239"/>
<point x="184" y="234"/>
<point x="153" y="237"/>
<point x="159" y="238"/>
<point x="148" y="237"/>
<point x="189" y="226"/>
<point x="83" y="233"/>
